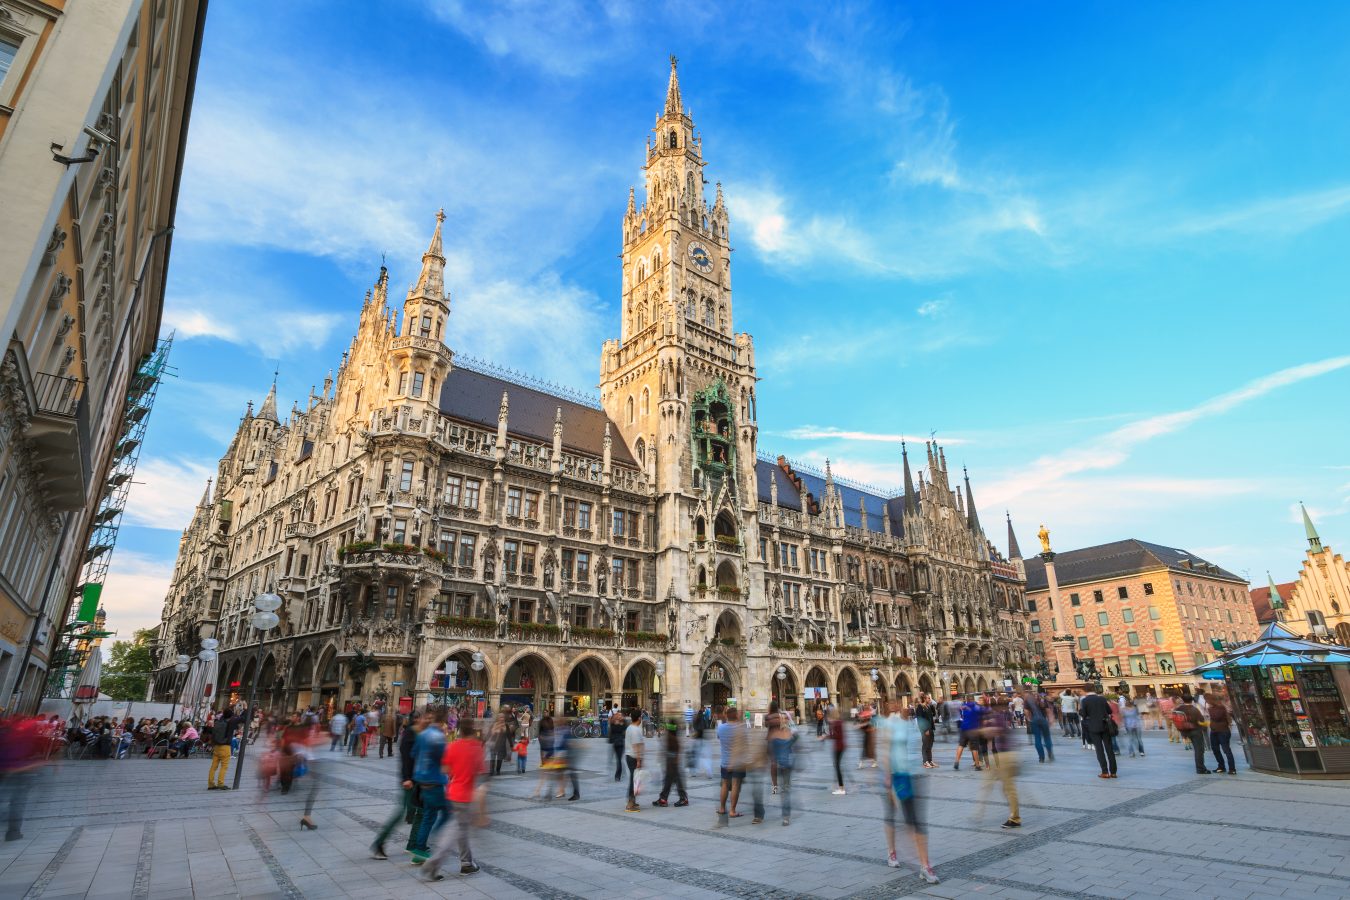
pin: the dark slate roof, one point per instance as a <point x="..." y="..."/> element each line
<point x="765" y="472"/>
<point x="476" y="398"/>
<point x="789" y="498"/>
<point x="1116" y="560"/>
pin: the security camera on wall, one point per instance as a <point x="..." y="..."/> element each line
<point x="99" y="136"/>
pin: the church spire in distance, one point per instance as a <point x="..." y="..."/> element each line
<point x="1314" y="542"/>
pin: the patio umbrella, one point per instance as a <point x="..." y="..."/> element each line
<point x="1277" y="646"/>
<point x="187" y="697"/>
<point x="86" y="686"/>
<point x="206" y="686"/>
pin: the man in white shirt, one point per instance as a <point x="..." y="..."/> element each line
<point x="1068" y="707"/>
<point x="337" y="727"/>
<point x="633" y="745"/>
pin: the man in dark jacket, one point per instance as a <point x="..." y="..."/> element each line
<point x="1094" y="712"/>
<point x="222" y="732"/>
<point x="406" y="807"/>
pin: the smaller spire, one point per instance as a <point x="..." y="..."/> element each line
<point x="269" y="407"/>
<point x="972" y="517"/>
<point x="911" y="499"/>
<point x="674" y="106"/>
<point x="431" y="282"/>
<point x="206" y="495"/>
<point x="632" y="201"/>
<point x="1014" y="551"/>
<point x="1314" y="542"/>
<point x="1276" y="601"/>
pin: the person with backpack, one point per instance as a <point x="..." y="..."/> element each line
<point x="222" y="732"/>
<point x="1190" y="722"/>
<point x="1220" y="735"/>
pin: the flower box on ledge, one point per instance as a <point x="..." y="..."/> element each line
<point x="601" y="633"/>
<point x="464" y="623"/>
<point x="728" y="590"/>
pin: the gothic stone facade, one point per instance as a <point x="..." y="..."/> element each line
<point x="421" y="510"/>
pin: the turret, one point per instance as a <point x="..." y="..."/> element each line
<point x="1314" y="542"/>
<point x="972" y="517"/>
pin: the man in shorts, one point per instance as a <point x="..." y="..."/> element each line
<point x="972" y="716"/>
<point x="897" y="733"/>
<point x="730" y="732"/>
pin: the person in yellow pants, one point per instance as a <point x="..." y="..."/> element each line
<point x="222" y="732"/>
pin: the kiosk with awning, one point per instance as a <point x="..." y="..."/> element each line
<point x="1291" y="702"/>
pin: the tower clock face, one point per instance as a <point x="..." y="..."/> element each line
<point x="701" y="259"/>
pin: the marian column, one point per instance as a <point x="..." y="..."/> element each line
<point x="1061" y="646"/>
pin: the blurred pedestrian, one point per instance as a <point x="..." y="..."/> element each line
<point x="429" y="781"/>
<point x="674" y="776"/>
<point x="1099" y="727"/>
<point x="728" y="734"/>
<point x="837" y="745"/>
<point x="925" y="716"/>
<point x="462" y="763"/>
<point x="1002" y="765"/>
<point x="1190" y="724"/>
<point x="405" y="809"/>
<point x="1220" y="736"/>
<point x="1038" y="711"/>
<point x="1132" y="720"/>
<point x="900" y="787"/>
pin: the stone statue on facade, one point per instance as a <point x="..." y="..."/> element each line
<point x="503" y="614"/>
<point x="565" y="627"/>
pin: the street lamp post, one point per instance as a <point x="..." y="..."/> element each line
<point x="183" y="663"/>
<point x="265" y="619"/>
<point x="660" y="688"/>
<point x="781" y="676"/>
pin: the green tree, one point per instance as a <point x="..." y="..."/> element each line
<point x="128" y="668"/>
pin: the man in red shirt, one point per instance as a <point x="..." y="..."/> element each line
<point x="463" y="762"/>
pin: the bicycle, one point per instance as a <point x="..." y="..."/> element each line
<point x="585" y="728"/>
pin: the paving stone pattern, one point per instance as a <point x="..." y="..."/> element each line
<point x="149" y="830"/>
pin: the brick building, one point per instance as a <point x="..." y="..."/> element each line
<point x="1143" y="612"/>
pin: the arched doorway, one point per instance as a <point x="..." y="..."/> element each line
<point x="728" y="584"/>
<point x="588" y="686"/>
<point x="847" y="688"/>
<point x="528" y="682"/>
<point x="816" y="692"/>
<point x="716" y="686"/>
<point x="268" y="696"/>
<point x="903" y="690"/>
<point x="302" y="679"/>
<point x="784" y="690"/>
<point x="926" y="685"/>
<point x="453" y="681"/>
<point x="638" y="683"/>
<point x="968" y="685"/>
<point x="330" y="684"/>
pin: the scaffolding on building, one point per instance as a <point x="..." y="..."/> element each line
<point x="83" y="630"/>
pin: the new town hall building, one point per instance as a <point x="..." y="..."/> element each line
<point x="421" y="511"/>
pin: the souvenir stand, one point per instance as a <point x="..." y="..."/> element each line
<point x="1290" y="701"/>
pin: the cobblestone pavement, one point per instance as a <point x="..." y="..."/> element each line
<point x="149" y="829"/>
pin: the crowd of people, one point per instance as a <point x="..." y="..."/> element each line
<point x="447" y="753"/>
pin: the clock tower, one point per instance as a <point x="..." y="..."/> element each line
<point x="680" y="385"/>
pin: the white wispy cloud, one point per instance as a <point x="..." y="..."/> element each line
<point x="883" y="477"/>
<point x="133" y="593"/>
<point x="531" y="32"/>
<point x="166" y="492"/>
<point x="1113" y="448"/>
<point x="269" y="324"/>
<point x="1270" y="215"/>
<point x="818" y="432"/>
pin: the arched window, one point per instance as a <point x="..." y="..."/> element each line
<point x="646" y="401"/>
<point x="631" y="416"/>
<point x="656" y="260"/>
<point x="674" y="141"/>
<point x="640" y="450"/>
<point x="642" y="271"/>
<point x="708" y="312"/>
<point x="705" y="223"/>
<point x="691" y="309"/>
<point x="700" y="529"/>
<point x="426" y="325"/>
<point x="689" y="183"/>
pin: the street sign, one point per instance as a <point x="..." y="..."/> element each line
<point x="474" y="693"/>
<point x="396" y="683"/>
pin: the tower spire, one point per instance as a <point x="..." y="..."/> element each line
<point x="1314" y="542"/>
<point x="972" y="517"/>
<point x="674" y="106"/>
<point x="911" y="501"/>
<point x="1276" y="601"/>
<point x="431" y="283"/>
<point x="206" y="495"/>
<point x="269" y="407"/>
<point x="1014" y="551"/>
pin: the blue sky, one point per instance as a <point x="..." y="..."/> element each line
<point x="1099" y="250"/>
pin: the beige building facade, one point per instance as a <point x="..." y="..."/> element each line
<point x="1144" y="613"/>
<point x="94" y="102"/>
<point x="1318" y="604"/>
<point x="424" y="513"/>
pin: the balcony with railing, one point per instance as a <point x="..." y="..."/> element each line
<point x="58" y="432"/>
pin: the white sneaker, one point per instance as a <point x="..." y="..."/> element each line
<point x="928" y="875"/>
<point x="837" y="791"/>
<point x="892" y="861"/>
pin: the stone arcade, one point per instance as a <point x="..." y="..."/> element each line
<point x="422" y="509"/>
